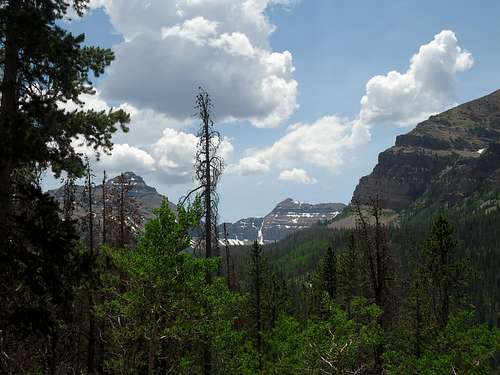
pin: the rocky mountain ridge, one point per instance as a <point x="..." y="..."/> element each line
<point x="287" y="217"/>
<point x="446" y="158"/>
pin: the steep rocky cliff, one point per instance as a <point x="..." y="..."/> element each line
<point x="447" y="157"/>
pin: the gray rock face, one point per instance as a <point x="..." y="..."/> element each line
<point x="449" y="155"/>
<point x="287" y="217"/>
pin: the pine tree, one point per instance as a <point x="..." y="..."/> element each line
<point x="257" y="271"/>
<point x="349" y="270"/>
<point x="329" y="273"/>
<point x="442" y="268"/>
<point x="45" y="66"/>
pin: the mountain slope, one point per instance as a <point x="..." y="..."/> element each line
<point x="447" y="157"/>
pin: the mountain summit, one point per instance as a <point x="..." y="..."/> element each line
<point x="287" y="217"/>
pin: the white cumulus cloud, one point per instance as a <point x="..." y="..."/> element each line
<point x="221" y="45"/>
<point x="427" y="87"/>
<point x="175" y="152"/>
<point x="297" y="175"/>
<point x="122" y="158"/>
<point x="321" y="143"/>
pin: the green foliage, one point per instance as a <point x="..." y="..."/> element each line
<point x="335" y="344"/>
<point x="463" y="347"/>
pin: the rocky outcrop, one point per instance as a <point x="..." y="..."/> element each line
<point x="448" y="156"/>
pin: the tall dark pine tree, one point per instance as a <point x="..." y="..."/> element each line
<point x="348" y="272"/>
<point x="329" y="273"/>
<point x="442" y="268"/>
<point x="43" y="66"/>
<point x="256" y="290"/>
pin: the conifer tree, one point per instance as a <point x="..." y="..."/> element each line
<point x="349" y="274"/>
<point x="442" y="268"/>
<point x="329" y="273"/>
<point x="45" y="66"/>
<point x="256" y="289"/>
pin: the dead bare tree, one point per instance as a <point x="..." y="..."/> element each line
<point x="69" y="197"/>
<point x="126" y="215"/>
<point x="228" y="260"/>
<point x="105" y="209"/>
<point x="208" y="169"/>
<point x="372" y="236"/>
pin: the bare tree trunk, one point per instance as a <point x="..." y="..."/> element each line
<point x="104" y="209"/>
<point x="208" y="195"/>
<point x="8" y="112"/>
<point x="228" y="269"/>
<point x="122" y="211"/>
<point x="90" y="296"/>
<point x="153" y="346"/>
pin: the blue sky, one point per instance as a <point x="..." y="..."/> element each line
<point x="335" y="50"/>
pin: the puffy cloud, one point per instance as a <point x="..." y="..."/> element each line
<point x="145" y="124"/>
<point x="250" y="165"/>
<point x="427" y="87"/>
<point x="195" y="30"/>
<point x="221" y="45"/>
<point x="127" y="158"/>
<point x="174" y="153"/>
<point x="296" y="175"/>
<point x="321" y="143"/>
<point x="123" y="157"/>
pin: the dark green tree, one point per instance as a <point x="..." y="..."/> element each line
<point x="43" y="67"/>
<point x="257" y="272"/>
<point x="442" y="268"/>
<point x="329" y="273"/>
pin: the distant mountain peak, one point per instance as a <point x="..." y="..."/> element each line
<point x="144" y="195"/>
<point x="287" y="217"/>
<point x="129" y="176"/>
